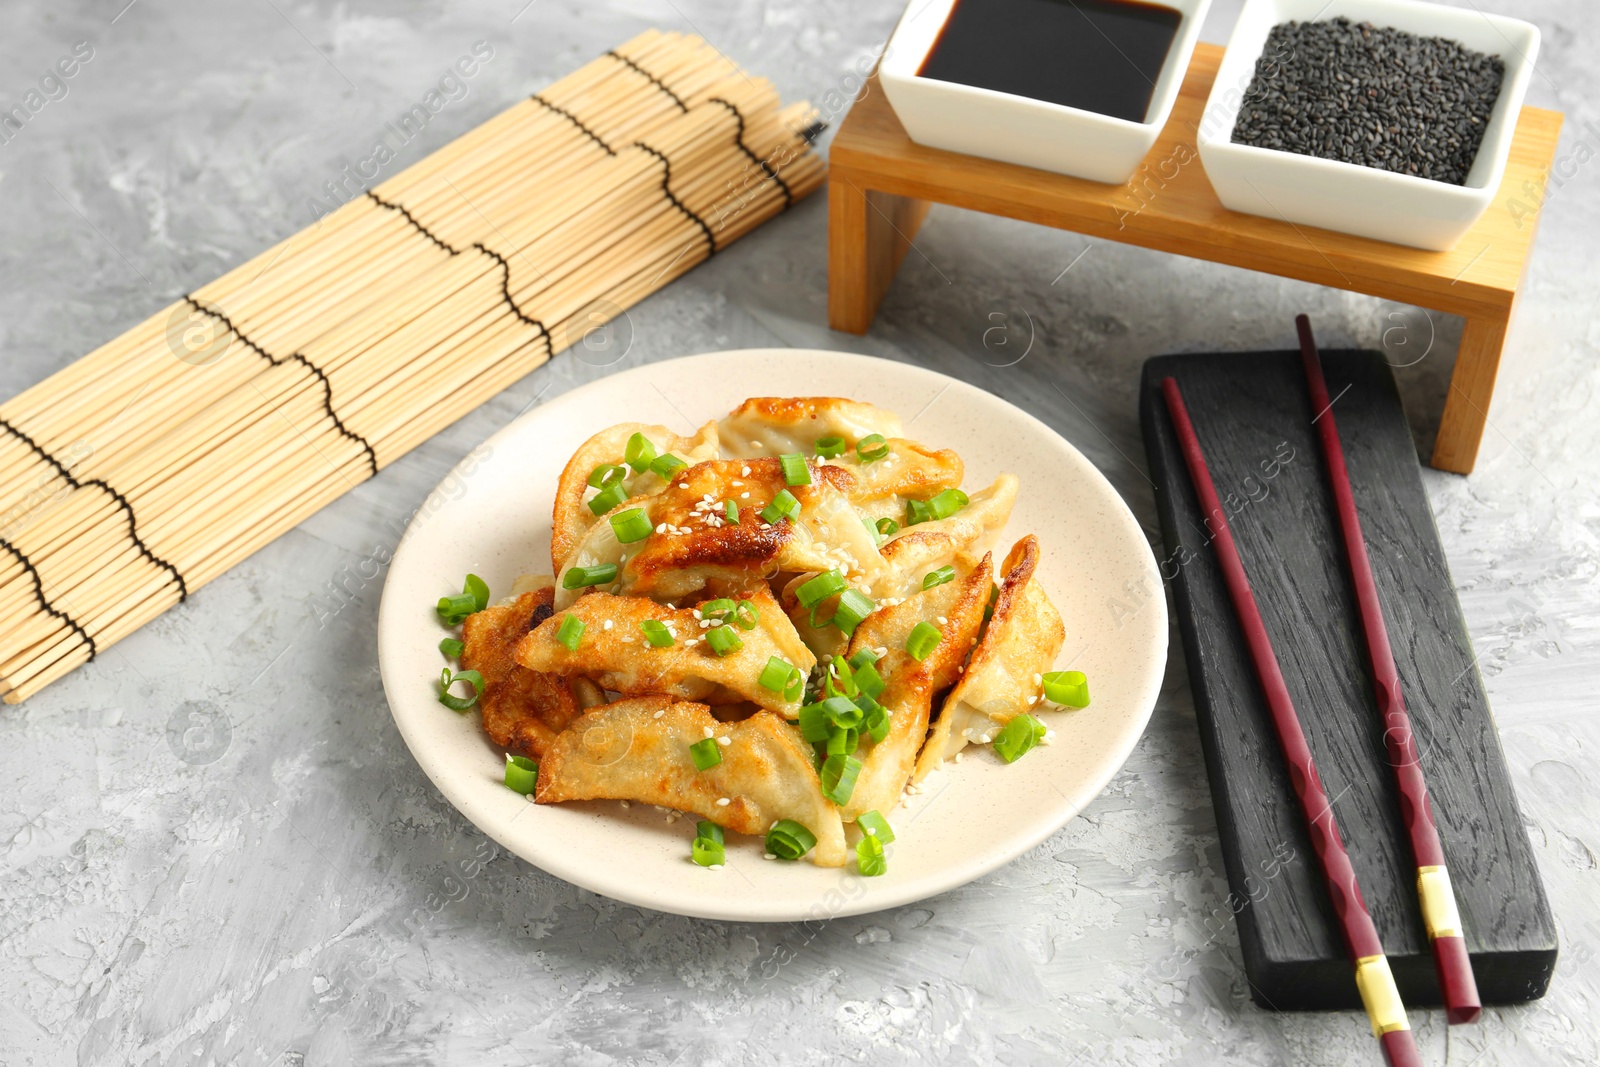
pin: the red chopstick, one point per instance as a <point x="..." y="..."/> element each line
<point x="1439" y="912"/>
<point x="1374" y="980"/>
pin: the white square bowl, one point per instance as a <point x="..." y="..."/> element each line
<point x="1348" y="197"/>
<point x="1016" y="129"/>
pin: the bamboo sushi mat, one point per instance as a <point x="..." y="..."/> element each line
<point x="148" y="467"/>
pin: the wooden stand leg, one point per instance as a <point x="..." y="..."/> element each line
<point x="868" y="235"/>
<point x="1466" y="408"/>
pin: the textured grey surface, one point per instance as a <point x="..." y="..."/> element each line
<point x="287" y="888"/>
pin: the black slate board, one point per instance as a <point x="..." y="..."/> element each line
<point x="1253" y="417"/>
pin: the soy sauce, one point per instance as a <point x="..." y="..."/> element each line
<point x="1098" y="55"/>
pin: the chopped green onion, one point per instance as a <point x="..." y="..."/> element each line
<point x="871" y="447"/>
<point x="814" y="723"/>
<point x="639" y="453"/>
<point x="599" y="574"/>
<point x="478" y="589"/>
<point x="780" y="676"/>
<point x="707" y="853"/>
<point x="844" y="742"/>
<point x="712" y="832"/>
<point x="452" y="609"/>
<point x="863" y="657"/>
<point x="450" y="700"/>
<point x="869" y="857"/>
<point x="947" y="503"/>
<point x="872" y="532"/>
<point x="788" y="840"/>
<point x="783" y="506"/>
<point x="606" y="475"/>
<point x="665" y="464"/>
<point x="918" y="511"/>
<point x="924" y="639"/>
<point x="723" y="640"/>
<point x="656" y="632"/>
<point x="944" y="574"/>
<point x="888" y="527"/>
<point x="571" y="632"/>
<point x="795" y="471"/>
<point x="854" y="606"/>
<point x="451" y="647"/>
<point x="875" y="719"/>
<point x="994" y="598"/>
<point x="840" y="669"/>
<point x="732" y="511"/>
<point x="717" y="610"/>
<point x="813" y="591"/>
<point x="874" y="825"/>
<point x="839" y="777"/>
<point x="842" y="712"/>
<point x="608" y="498"/>
<point x="869" y="681"/>
<point x="830" y="446"/>
<point x="1019" y="735"/>
<point x="631" y="525"/>
<point x="522" y="774"/>
<point x="706" y="754"/>
<point x="746" y="615"/>
<point x="1068" y="688"/>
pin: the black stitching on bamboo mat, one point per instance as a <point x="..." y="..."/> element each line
<point x="659" y="84"/>
<point x="126" y="505"/>
<point x="49" y="608"/>
<point x="666" y="177"/>
<point x="505" y="292"/>
<point x="429" y="234"/>
<point x="738" y="139"/>
<point x="327" y="386"/>
<point x="570" y="117"/>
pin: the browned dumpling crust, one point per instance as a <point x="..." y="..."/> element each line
<point x="523" y="710"/>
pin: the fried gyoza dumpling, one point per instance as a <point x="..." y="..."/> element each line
<point x="638" y="749"/>
<point x="692" y="545"/>
<point x="909" y="472"/>
<point x="975" y="527"/>
<point x="956" y="608"/>
<point x="614" y="653"/>
<point x="572" y="515"/>
<point x="1019" y="644"/>
<point x="523" y="709"/>
<point x="912" y="556"/>
<point x="772" y="426"/>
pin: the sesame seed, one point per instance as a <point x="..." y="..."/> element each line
<point x="626" y="804"/>
<point x="1038" y="679"/>
<point x="745" y="470"/>
<point x="724" y="740"/>
<point x="715" y="867"/>
<point x="769" y="856"/>
<point x="744" y="496"/>
<point x="722" y="802"/>
<point x="608" y="625"/>
<point x="985" y="739"/>
<point x="737" y="482"/>
<point x="659" y="712"/>
<point x="943" y="621"/>
<point x="710" y="732"/>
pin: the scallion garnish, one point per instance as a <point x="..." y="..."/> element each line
<point x="781" y="676"/>
<point x="665" y="464"/>
<point x="522" y="774"/>
<point x="723" y="640"/>
<point x="711" y="831"/>
<point x="872" y="532"/>
<point x="708" y="853"/>
<point x="842" y="712"/>
<point x="863" y="657"/>
<point x="918" y="511"/>
<point x="717" y="610"/>
<point x="813" y="591"/>
<point x="452" y="609"/>
<point x="746" y="615"/>
<point x="1018" y="737"/>
<point x="783" y="506"/>
<point x="869" y="681"/>
<point x="606" y="475"/>
<point x="656" y="632"/>
<point x="631" y="525"/>
<point x="947" y="503"/>
<point x="1067" y="688"/>
<point x="870" y="860"/>
<point x="871" y="447"/>
<point x="924" y="638"/>
<point x="854" y="606"/>
<point x="478" y="589"/>
<point x="732" y="511"/>
<point x="844" y="742"/>
<point x="706" y="754"/>
<point x="874" y="825"/>
<point x="639" y="453"/>
<point x="451" y="647"/>
<point x="795" y="471"/>
<point x="841" y="670"/>
<point x="608" y="498"/>
<point x="813" y="723"/>
<point x="944" y="574"/>
<point x="888" y="527"/>
<point x="830" y="446"/>
<point x="599" y="574"/>
<point x="447" y="678"/>
<point x="570" y="632"/>
<point x="788" y="840"/>
<point x="839" y="774"/>
<point x="875" y="720"/>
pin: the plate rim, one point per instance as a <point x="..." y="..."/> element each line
<point x="736" y="909"/>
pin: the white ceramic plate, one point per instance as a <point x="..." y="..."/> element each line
<point x="492" y="517"/>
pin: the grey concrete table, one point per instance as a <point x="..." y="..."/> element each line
<point x="286" y="887"/>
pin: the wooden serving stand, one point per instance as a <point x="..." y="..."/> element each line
<point x="881" y="184"/>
